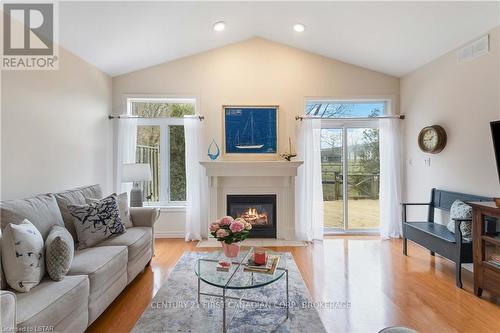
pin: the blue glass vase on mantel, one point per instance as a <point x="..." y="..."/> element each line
<point x="213" y="150"/>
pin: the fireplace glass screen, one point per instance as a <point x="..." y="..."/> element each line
<point x="259" y="210"/>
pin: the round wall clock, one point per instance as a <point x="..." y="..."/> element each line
<point x="432" y="139"/>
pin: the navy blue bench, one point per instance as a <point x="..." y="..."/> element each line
<point x="436" y="237"/>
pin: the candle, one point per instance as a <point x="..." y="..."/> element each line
<point x="260" y="257"/>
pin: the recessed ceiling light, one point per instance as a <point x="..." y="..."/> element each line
<point x="219" y="26"/>
<point x="299" y="27"/>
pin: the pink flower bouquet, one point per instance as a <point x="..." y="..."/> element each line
<point x="229" y="230"/>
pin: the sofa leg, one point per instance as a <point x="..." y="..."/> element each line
<point x="405" y="246"/>
<point x="458" y="274"/>
<point x="433" y="253"/>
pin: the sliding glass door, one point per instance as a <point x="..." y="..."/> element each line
<point x="350" y="174"/>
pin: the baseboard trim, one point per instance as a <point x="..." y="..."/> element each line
<point x="169" y="234"/>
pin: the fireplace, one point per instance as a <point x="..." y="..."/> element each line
<point x="257" y="209"/>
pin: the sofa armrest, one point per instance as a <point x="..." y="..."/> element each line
<point x="7" y="311"/>
<point x="144" y="216"/>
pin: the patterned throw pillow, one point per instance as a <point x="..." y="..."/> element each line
<point x="96" y="222"/>
<point x="22" y="256"/>
<point x="122" y="207"/>
<point x="59" y="251"/>
<point x="460" y="210"/>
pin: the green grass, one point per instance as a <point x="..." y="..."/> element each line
<point x="363" y="214"/>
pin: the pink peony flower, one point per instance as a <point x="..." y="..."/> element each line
<point x="237" y="226"/>
<point x="221" y="233"/>
<point x="214" y="227"/>
<point x="226" y="220"/>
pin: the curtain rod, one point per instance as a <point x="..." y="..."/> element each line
<point x="136" y="117"/>
<point x="402" y="116"/>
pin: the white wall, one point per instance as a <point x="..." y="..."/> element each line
<point x="253" y="72"/>
<point x="54" y="129"/>
<point x="463" y="98"/>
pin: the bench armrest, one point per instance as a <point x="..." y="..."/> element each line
<point x="405" y="204"/>
<point x="144" y="216"/>
<point x="415" y="203"/>
<point x="7" y="311"/>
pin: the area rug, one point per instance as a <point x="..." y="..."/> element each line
<point x="254" y="242"/>
<point x="175" y="307"/>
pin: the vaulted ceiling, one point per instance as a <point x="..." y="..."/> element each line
<point x="390" y="37"/>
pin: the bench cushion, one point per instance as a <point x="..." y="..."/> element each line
<point x="435" y="229"/>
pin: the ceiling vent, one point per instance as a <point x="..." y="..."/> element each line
<point x="474" y="49"/>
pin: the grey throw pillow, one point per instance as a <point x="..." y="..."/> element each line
<point x="96" y="222"/>
<point x="22" y="256"/>
<point x="122" y="207"/>
<point x="460" y="210"/>
<point x="59" y="251"/>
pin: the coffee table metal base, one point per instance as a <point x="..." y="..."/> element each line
<point x="224" y="297"/>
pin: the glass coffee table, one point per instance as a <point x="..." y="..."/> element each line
<point x="236" y="278"/>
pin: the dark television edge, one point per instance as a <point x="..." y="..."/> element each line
<point x="495" y="134"/>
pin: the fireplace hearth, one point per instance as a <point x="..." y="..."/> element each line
<point x="257" y="209"/>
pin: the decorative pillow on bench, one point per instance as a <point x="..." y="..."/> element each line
<point x="22" y="256"/>
<point x="96" y="222"/>
<point x="460" y="210"/>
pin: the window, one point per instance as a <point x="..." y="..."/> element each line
<point x="160" y="142"/>
<point x="350" y="163"/>
<point x="345" y="109"/>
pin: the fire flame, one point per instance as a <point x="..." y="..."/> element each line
<point x="253" y="216"/>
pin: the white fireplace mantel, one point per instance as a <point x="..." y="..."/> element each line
<point x="251" y="168"/>
<point x="254" y="177"/>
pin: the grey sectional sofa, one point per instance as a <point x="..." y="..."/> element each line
<point x="96" y="277"/>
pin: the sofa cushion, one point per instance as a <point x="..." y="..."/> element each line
<point x="51" y="302"/>
<point x="135" y="239"/>
<point x="59" y="251"/>
<point x="75" y="196"/>
<point x="41" y="210"/>
<point x="23" y="256"/>
<point x="103" y="266"/>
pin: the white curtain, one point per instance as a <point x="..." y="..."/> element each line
<point x="390" y="178"/>
<point x="195" y="179"/>
<point x="126" y="142"/>
<point x="308" y="188"/>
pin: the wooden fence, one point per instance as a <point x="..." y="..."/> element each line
<point x="360" y="185"/>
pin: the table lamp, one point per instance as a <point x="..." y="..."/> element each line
<point x="135" y="173"/>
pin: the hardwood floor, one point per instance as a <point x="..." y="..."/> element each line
<point x="382" y="287"/>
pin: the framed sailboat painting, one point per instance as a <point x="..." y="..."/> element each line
<point x="251" y="130"/>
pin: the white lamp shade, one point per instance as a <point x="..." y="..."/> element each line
<point x="136" y="172"/>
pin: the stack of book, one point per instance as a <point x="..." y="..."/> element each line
<point x="494" y="259"/>
<point x="268" y="268"/>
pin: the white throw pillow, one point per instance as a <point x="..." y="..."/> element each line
<point x="122" y="207"/>
<point x="23" y="256"/>
<point x="461" y="210"/>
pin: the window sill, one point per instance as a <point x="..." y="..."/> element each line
<point x="169" y="209"/>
